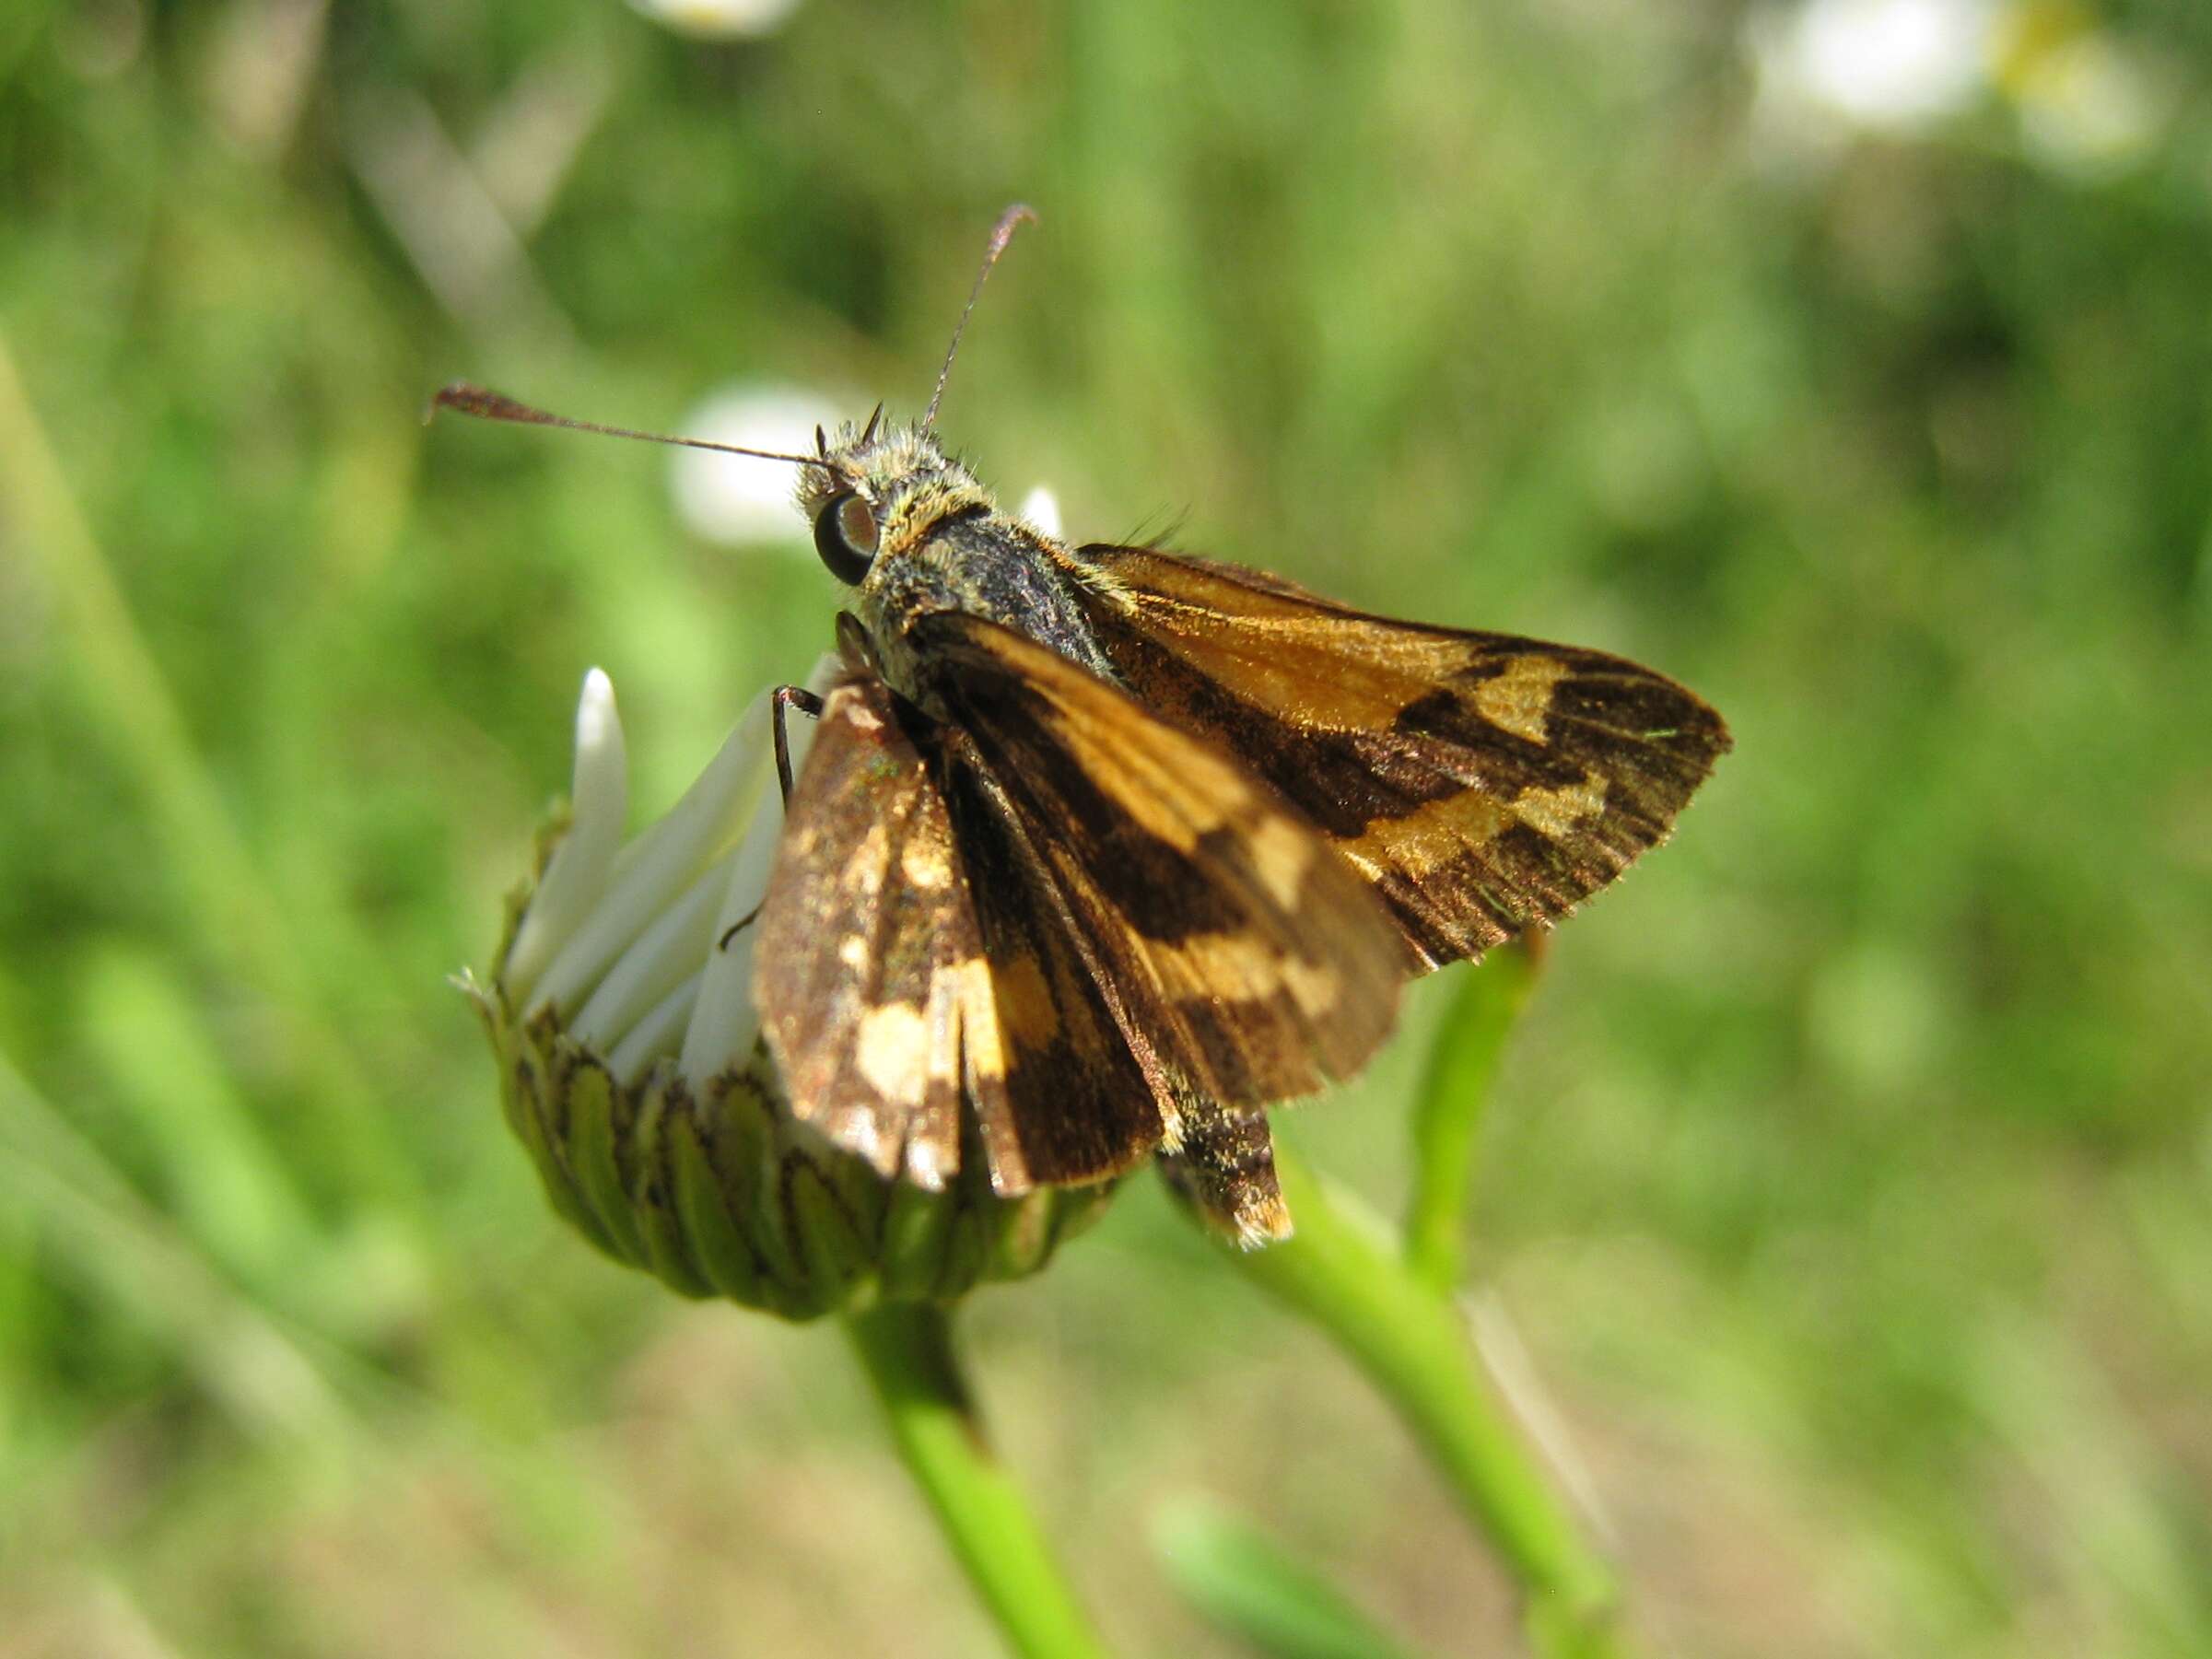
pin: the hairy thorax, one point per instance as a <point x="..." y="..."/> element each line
<point x="945" y="546"/>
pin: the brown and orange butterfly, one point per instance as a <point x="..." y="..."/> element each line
<point x="1099" y="850"/>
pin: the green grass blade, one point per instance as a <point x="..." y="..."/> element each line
<point x="1242" y="1582"/>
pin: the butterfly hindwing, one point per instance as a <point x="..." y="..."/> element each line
<point x="874" y="997"/>
<point x="1481" y="782"/>
<point x="1240" y="956"/>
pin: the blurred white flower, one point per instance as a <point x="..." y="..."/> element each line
<point x="621" y="938"/>
<point x="2088" y="104"/>
<point x="1884" y="65"/>
<point x="736" y="499"/>
<point x="719" y="19"/>
<point x="1040" y="510"/>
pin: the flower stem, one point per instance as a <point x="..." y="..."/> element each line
<point x="906" y="1350"/>
<point x="1462" y="1066"/>
<point x="1342" y="1271"/>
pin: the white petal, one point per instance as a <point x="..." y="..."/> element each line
<point x="654" y="964"/>
<point x="726" y="1022"/>
<point x="657" y="1036"/>
<point x="660" y="863"/>
<point x="578" y="874"/>
<point x="1040" y="508"/>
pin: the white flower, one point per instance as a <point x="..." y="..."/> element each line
<point x="736" y="499"/>
<point x="622" y="1015"/>
<point x="719" y="19"/>
<point x="2090" y="104"/>
<point x="1040" y="510"/>
<point x="1886" y="65"/>
<point x="622" y="937"/>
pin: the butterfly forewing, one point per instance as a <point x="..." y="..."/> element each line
<point x="1480" y="781"/>
<point x="1241" y="957"/>
<point x="1076" y="1104"/>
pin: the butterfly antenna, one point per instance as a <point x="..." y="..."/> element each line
<point x="487" y="405"/>
<point x="1001" y="233"/>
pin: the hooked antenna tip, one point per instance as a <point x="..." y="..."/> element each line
<point x="1001" y="234"/>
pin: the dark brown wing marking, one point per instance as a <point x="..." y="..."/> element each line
<point x="1480" y="781"/>
<point x="1236" y="950"/>
<point x="1076" y="1104"/>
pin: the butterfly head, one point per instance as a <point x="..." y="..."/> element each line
<point x="875" y="492"/>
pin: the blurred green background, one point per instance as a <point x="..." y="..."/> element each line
<point x="1844" y="1214"/>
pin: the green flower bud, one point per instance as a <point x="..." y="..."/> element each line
<point x="632" y="1068"/>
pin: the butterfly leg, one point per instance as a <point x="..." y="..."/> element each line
<point x="740" y="925"/>
<point x="781" y="701"/>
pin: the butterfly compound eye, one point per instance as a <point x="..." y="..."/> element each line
<point x="844" y="535"/>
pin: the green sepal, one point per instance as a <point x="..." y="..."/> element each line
<point x="526" y="1087"/>
<point x="590" y="1100"/>
<point x="668" y="1251"/>
<point x="729" y="1262"/>
<point x="836" y="1249"/>
<point x="721" y="1192"/>
<point x="918" y="1225"/>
